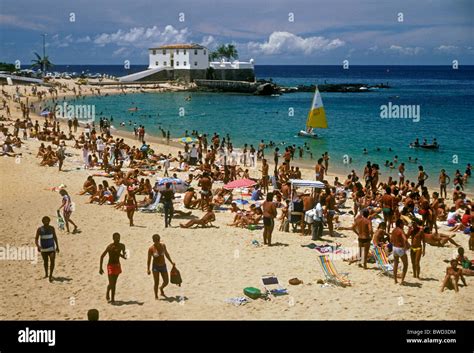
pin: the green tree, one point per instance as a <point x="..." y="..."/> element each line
<point x="7" y="67"/>
<point x="228" y="52"/>
<point x="40" y="63"/>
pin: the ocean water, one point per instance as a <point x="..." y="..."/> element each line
<point x="445" y="97"/>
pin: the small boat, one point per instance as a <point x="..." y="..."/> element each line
<point x="428" y="147"/>
<point x="316" y="117"/>
<point x="303" y="133"/>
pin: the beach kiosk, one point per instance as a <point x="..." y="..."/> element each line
<point x="296" y="210"/>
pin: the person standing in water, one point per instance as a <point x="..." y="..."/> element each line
<point x="269" y="214"/>
<point x="157" y="252"/>
<point x="47" y="243"/>
<point x="116" y="250"/>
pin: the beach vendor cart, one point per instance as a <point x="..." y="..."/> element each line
<point x="296" y="215"/>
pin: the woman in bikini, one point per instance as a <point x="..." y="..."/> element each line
<point x="130" y="203"/>
<point x="418" y="246"/>
<point x="67" y="210"/>
<point x="157" y="252"/>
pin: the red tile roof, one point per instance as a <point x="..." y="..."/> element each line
<point x="179" y="46"/>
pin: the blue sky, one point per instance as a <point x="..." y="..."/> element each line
<point x="433" y="32"/>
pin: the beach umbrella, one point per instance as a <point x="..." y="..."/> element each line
<point x="188" y="139"/>
<point x="240" y="184"/>
<point x="44" y="113"/>
<point x="178" y="185"/>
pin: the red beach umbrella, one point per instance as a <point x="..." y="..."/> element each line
<point x="240" y="183"/>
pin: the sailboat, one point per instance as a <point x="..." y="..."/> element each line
<point x="316" y="117"/>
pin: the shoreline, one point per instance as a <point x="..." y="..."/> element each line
<point x="337" y="169"/>
<point x="216" y="263"/>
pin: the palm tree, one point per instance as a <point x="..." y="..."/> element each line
<point x="228" y="52"/>
<point x="41" y="63"/>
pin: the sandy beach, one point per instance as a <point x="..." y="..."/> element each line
<point x="215" y="263"/>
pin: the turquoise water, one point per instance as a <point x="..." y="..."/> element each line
<point x="445" y="97"/>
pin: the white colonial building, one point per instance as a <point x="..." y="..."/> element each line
<point x="179" y="57"/>
<point x="189" y="62"/>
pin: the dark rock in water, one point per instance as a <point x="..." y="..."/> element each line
<point x="266" y="89"/>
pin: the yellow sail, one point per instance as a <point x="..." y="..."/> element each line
<point x="317" y="115"/>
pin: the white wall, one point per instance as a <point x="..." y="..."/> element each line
<point x="186" y="58"/>
<point x="231" y="65"/>
<point x="159" y="58"/>
<point x="199" y="58"/>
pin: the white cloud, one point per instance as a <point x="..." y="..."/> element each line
<point x="208" y="42"/>
<point x="85" y="39"/>
<point x="447" y="48"/>
<point x="405" y="50"/>
<point x="121" y="52"/>
<point x="20" y="22"/>
<point x="142" y="37"/>
<point x="60" y="42"/>
<point x="286" y="43"/>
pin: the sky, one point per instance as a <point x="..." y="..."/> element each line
<point x="296" y="32"/>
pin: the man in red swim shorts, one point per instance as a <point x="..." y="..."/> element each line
<point x="116" y="250"/>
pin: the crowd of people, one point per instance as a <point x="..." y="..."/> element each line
<point x="406" y="213"/>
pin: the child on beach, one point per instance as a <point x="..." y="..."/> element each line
<point x="67" y="207"/>
<point x="453" y="274"/>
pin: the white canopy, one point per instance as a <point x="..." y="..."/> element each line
<point x="307" y="183"/>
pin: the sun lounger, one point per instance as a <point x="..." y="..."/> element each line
<point x="272" y="286"/>
<point x="381" y="259"/>
<point x="153" y="207"/>
<point x="331" y="274"/>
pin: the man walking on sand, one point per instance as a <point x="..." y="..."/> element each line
<point x="47" y="243"/>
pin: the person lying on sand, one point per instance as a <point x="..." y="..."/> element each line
<point x="438" y="239"/>
<point x="251" y="219"/>
<point x="207" y="218"/>
<point x="453" y="274"/>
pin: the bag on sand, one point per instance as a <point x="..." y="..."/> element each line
<point x="252" y="292"/>
<point x="175" y="276"/>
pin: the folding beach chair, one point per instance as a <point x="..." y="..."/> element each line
<point x="272" y="286"/>
<point x="381" y="260"/>
<point x="152" y="207"/>
<point x="332" y="276"/>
